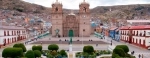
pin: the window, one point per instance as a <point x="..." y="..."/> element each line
<point x="83" y="29"/>
<point x="84" y="22"/>
<point x="56" y="9"/>
<point x="94" y="29"/>
<point x="84" y="9"/>
<point x="8" y="33"/>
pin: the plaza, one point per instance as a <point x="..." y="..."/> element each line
<point x="79" y="47"/>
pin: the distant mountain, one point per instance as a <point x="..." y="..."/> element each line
<point x="123" y="12"/>
<point x="22" y="6"/>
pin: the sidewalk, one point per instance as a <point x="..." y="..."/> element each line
<point x="124" y="43"/>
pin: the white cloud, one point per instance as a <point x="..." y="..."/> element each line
<point x="74" y="4"/>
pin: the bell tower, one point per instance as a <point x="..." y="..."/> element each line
<point x="84" y="15"/>
<point x="57" y="18"/>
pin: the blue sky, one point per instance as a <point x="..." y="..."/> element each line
<point x="74" y="4"/>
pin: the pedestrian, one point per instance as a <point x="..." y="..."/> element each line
<point x="96" y="44"/>
<point x="139" y="56"/>
<point x="41" y="43"/>
<point x="142" y="56"/>
<point x="133" y="52"/>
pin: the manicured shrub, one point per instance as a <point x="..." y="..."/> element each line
<point x="53" y="47"/>
<point x="20" y="45"/>
<point x="114" y="55"/>
<point x="119" y="51"/>
<point x="124" y="47"/>
<point x="39" y="47"/>
<point x="30" y="54"/>
<point x="63" y="53"/>
<point x="88" y="49"/>
<point x="37" y="53"/>
<point x="12" y="52"/>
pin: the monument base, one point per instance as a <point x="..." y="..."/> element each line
<point x="70" y="48"/>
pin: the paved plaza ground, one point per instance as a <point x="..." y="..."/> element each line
<point x="78" y="46"/>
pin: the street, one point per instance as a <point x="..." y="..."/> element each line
<point x="103" y="45"/>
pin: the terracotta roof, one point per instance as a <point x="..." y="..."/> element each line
<point x="124" y="27"/>
<point x="11" y="28"/>
<point x="147" y="27"/>
<point x="138" y="27"/>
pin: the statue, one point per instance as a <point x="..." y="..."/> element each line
<point x="57" y="32"/>
<point x="70" y="42"/>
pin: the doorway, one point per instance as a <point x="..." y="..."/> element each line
<point x="71" y="33"/>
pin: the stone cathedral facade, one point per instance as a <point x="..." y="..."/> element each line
<point x="71" y="24"/>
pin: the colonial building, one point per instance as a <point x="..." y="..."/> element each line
<point x="138" y="35"/>
<point x="11" y="34"/>
<point x="65" y="24"/>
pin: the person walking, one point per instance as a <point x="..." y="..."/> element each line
<point x="41" y="43"/>
<point x="139" y="56"/>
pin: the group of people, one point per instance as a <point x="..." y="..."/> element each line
<point x="140" y="56"/>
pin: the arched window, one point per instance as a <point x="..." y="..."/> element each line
<point x="85" y="9"/>
<point x="4" y="33"/>
<point x="8" y="33"/>
<point x="56" y="9"/>
<point x="137" y="33"/>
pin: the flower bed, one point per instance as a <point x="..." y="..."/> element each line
<point x="92" y="55"/>
<point x="56" y="54"/>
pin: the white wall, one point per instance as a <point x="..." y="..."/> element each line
<point x="147" y="41"/>
<point x="147" y="32"/>
<point x="1" y="32"/>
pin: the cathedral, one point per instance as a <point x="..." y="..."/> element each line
<point x="70" y="24"/>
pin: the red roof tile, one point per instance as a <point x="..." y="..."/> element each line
<point x="11" y="28"/>
<point x="124" y="27"/>
<point x="137" y="27"/>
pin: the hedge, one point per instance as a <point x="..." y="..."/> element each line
<point x="37" y="53"/>
<point x="20" y="45"/>
<point x="124" y="47"/>
<point x="63" y="53"/>
<point x="39" y="47"/>
<point x="53" y="47"/>
<point x="12" y="52"/>
<point x="119" y="51"/>
<point x="88" y="49"/>
<point x="30" y="54"/>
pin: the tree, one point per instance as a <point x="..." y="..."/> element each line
<point x="124" y="47"/>
<point x="88" y="49"/>
<point x="30" y="54"/>
<point x="63" y="53"/>
<point x="37" y="53"/>
<point x="39" y="47"/>
<point x="120" y="52"/>
<point x="53" y="47"/>
<point x="12" y="52"/>
<point x="20" y="45"/>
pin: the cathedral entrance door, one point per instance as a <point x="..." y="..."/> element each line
<point x="70" y="33"/>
